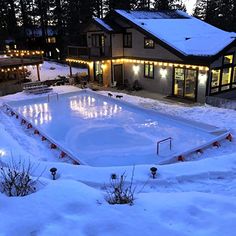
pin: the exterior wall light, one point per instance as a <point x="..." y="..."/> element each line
<point x="103" y="66"/>
<point x="202" y="78"/>
<point x="163" y="73"/>
<point x="136" y="69"/>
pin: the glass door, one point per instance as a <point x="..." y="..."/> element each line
<point x="190" y="83"/>
<point x="98" y="72"/>
<point x="185" y="83"/>
<point x="179" y="82"/>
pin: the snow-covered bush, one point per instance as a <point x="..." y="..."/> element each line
<point x="119" y="191"/>
<point x="15" y="178"/>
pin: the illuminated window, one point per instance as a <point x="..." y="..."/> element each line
<point x="215" y="78"/>
<point x="148" y="43"/>
<point x="51" y="40"/>
<point x="127" y="40"/>
<point x="98" y="40"/>
<point x="226" y="76"/>
<point x="234" y="78"/>
<point x="228" y="59"/>
<point x="149" y="70"/>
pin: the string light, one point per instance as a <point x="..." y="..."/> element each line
<point x="14" y="69"/>
<point x="22" y="53"/>
<point x="119" y="60"/>
<point x="89" y="63"/>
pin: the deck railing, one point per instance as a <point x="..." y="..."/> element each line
<point x="89" y="52"/>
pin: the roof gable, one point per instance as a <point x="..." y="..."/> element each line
<point x="104" y="25"/>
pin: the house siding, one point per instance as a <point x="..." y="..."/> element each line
<point x="117" y="45"/>
<point x="157" y="84"/>
<point x="138" y="50"/>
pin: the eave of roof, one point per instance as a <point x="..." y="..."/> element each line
<point x="102" y="24"/>
<point x="174" y="50"/>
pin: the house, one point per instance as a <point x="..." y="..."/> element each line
<point x="36" y="41"/>
<point x="167" y="52"/>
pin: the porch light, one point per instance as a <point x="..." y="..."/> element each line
<point x="163" y="73"/>
<point x="136" y="69"/>
<point x="202" y="77"/>
<point x="103" y="66"/>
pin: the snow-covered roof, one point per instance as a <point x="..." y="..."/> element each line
<point x="185" y="33"/>
<point x="103" y="23"/>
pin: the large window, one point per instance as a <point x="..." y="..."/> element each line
<point x="234" y="78"/>
<point x="127" y="40"/>
<point x="224" y="78"/>
<point x="215" y="81"/>
<point x="51" y="40"/>
<point x="228" y="59"/>
<point x="148" y="43"/>
<point x="98" y="40"/>
<point x="149" y="70"/>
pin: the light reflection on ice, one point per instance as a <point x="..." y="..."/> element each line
<point x="40" y="113"/>
<point x="149" y="124"/>
<point x="2" y="152"/>
<point x="88" y="108"/>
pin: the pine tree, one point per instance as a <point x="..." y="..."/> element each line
<point x="226" y="14"/>
<point x="219" y="13"/>
<point x="207" y="10"/>
<point x="162" y="5"/>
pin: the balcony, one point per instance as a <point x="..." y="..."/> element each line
<point x="89" y="52"/>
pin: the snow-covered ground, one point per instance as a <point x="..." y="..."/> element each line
<point x="50" y="70"/>
<point x="190" y="198"/>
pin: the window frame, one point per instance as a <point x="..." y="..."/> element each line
<point x="148" y="76"/>
<point x="229" y="64"/>
<point x="129" y="34"/>
<point x="51" y="39"/>
<point x="228" y="86"/>
<point x="233" y="83"/>
<point x="147" y="47"/>
<point x="98" y="39"/>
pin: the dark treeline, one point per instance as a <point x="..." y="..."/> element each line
<point x="220" y="13"/>
<point x="19" y="17"/>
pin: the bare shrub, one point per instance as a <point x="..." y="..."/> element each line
<point x="119" y="191"/>
<point x="15" y="178"/>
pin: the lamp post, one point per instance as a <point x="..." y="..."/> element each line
<point x="53" y="172"/>
<point x="153" y="172"/>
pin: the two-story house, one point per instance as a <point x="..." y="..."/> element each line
<point x="168" y="52"/>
